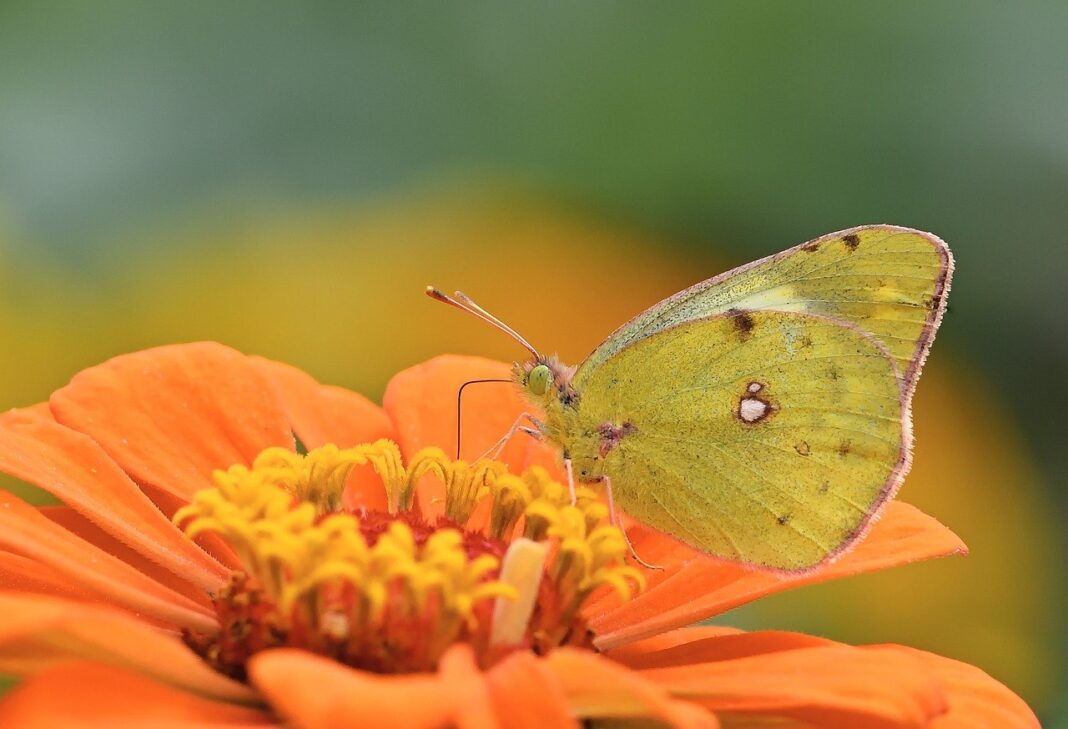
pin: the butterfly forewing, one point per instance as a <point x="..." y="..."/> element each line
<point x="768" y="437"/>
<point x="889" y="281"/>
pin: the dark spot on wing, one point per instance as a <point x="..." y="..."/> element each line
<point x="811" y="247"/>
<point x="805" y="341"/>
<point x="743" y="323"/>
<point x="852" y="241"/>
<point x="825" y="487"/>
<point x="833" y="372"/>
<point x="803" y="448"/>
<point x="783" y="519"/>
<point x="845" y="448"/>
<point x="932" y="302"/>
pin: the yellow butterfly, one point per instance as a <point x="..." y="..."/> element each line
<point x="763" y="415"/>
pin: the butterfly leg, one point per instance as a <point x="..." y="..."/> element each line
<point x="569" y="470"/>
<point x="613" y="518"/>
<point x="570" y="481"/>
<point x="497" y="448"/>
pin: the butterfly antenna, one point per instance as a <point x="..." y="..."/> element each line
<point x="460" y="404"/>
<point x="463" y="302"/>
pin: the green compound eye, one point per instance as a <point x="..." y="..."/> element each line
<point x="539" y="379"/>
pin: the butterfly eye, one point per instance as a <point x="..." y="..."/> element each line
<point x="539" y="379"/>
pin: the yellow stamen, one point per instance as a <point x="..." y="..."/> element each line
<point x="588" y="559"/>
<point x="385" y="457"/>
<point x="549" y="496"/>
<point x="318" y="477"/>
<point x="510" y="497"/>
<point x="466" y="485"/>
<point x="393" y="592"/>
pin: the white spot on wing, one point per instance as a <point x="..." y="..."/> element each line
<point x="754" y="387"/>
<point x="780" y="298"/>
<point x="752" y="409"/>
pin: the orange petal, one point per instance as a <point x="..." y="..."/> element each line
<point x="72" y="467"/>
<point x="706" y="643"/>
<point x="210" y="542"/>
<point x="421" y="401"/>
<point x="82" y="695"/>
<point x="321" y="414"/>
<point x="78" y="525"/>
<point x="21" y="574"/>
<point x="833" y="686"/>
<point x="316" y="693"/>
<point x="170" y="416"/>
<point x="526" y="694"/>
<point x="32" y="414"/>
<point x="693" y="586"/>
<point x="975" y="699"/>
<point x="464" y="681"/>
<point x="27" y="532"/>
<point x="61" y="629"/>
<point x="597" y="688"/>
<point x="670" y="639"/>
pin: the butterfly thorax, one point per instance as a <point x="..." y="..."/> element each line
<point x="547" y="383"/>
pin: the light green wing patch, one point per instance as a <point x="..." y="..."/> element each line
<point x="769" y="438"/>
<point x="889" y="281"/>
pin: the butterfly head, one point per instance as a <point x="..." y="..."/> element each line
<point x="544" y="378"/>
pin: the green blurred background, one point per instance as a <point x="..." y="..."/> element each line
<point x="286" y="178"/>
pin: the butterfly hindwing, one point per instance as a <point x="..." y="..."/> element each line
<point x="768" y="437"/>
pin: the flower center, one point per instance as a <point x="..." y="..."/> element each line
<point x="508" y="566"/>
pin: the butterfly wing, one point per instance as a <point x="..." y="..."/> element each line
<point x="769" y="439"/>
<point x="889" y="281"/>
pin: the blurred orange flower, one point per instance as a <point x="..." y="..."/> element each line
<point x="301" y="592"/>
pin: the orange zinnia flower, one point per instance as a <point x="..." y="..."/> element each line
<point x="209" y="569"/>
